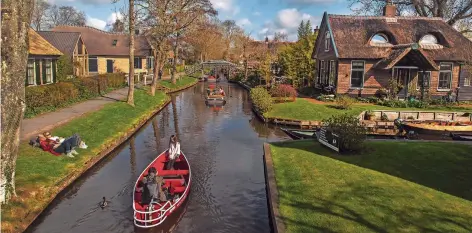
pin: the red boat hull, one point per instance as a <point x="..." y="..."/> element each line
<point x="177" y="181"/>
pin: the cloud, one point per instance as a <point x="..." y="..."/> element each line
<point x="226" y="6"/>
<point x="287" y="22"/>
<point x="113" y="17"/>
<point x="96" y="23"/>
<point x="243" y="22"/>
<point x="256" y="13"/>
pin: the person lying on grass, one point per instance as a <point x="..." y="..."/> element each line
<point x="56" y="148"/>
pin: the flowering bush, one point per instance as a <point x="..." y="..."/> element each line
<point x="283" y="90"/>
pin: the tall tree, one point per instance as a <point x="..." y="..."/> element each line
<point x="41" y="8"/>
<point x="117" y="26"/>
<point x="301" y="30"/>
<point x="64" y="15"/>
<point x="229" y="30"/>
<point x="453" y="11"/>
<point x="131" y="14"/>
<point x="308" y="28"/>
<point x="16" y="19"/>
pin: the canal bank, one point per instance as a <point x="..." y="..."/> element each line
<point x="41" y="176"/>
<point x="224" y="149"/>
<point x="379" y="189"/>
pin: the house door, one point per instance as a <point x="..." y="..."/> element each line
<point x="109" y="66"/>
<point x="402" y="76"/>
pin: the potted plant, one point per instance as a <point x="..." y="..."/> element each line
<point x="369" y="115"/>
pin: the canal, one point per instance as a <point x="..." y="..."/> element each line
<point x="224" y="147"/>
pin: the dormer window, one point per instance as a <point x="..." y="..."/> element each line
<point x="327" y="41"/>
<point x="380" y="39"/>
<point x="115" y="42"/>
<point x="429" y="40"/>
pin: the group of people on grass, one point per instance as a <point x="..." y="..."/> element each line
<point x="151" y="186"/>
<point x="58" y="146"/>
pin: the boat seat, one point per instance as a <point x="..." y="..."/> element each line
<point x="179" y="189"/>
<point x="174" y="182"/>
<point x="173" y="172"/>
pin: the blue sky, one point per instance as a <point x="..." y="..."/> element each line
<point x="258" y="17"/>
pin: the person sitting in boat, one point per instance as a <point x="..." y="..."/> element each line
<point x="221" y="91"/>
<point x="174" y="152"/>
<point x="152" y="187"/>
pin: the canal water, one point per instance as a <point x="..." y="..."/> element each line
<point x="224" y="147"/>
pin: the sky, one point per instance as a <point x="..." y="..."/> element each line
<point x="259" y="18"/>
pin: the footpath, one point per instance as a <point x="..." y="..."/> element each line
<point x="48" y="121"/>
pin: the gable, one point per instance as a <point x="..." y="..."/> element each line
<point x="39" y="46"/>
<point x="319" y="48"/>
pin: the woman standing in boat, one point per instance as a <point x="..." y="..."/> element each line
<point x="174" y="152"/>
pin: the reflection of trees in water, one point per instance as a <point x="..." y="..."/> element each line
<point x="176" y="117"/>
<point x="155" y="127"/>
<point x="132" y="161"/>
<point x="261" y="128"/>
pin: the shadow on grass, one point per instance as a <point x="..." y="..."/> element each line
<point x="441" y="166"/>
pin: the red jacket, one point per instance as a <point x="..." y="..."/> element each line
<point x="46" y="146"/>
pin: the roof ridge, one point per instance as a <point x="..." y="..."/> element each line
<point x="93" y="28"/>
<point x="384" y="17"/>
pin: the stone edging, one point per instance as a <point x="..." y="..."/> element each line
<point x="69" y="179"/>
<point x="184" y="87"/>
<point x="275" y="218"/>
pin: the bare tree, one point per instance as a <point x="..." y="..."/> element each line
<point x="453" y="11"/>
<point x="41" y="8"/>
<point x="207" y="39"/>
<point x="64" y="15"/>
<point x="130" y="100"/>
<point x="229" y="30"/>
<point x="117" y="26"/>
<point x="280" y="37"/>
<point x="16" y="19"/>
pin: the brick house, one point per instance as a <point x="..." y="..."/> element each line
<point x="72" y="45"/>
<point x="42" y="60"/>
<point x="109" y="52"/>
<point x="358" y="55"/>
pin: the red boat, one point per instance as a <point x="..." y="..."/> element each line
<point x="177" y="181"/>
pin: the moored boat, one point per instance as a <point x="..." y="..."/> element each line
<point x="438" y="127"/>
<point x="461" y="137"/>
<point x="300" y="133"/>
<point x="177" y="182"/>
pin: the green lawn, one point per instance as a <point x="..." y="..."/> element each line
<point x="39" y="174"/>
<point x="392" y="187"/>
<point x="303" y="109"/>
<point x="182" y="82"/>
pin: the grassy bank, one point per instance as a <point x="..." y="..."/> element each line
<point x="392" y="187"/>
<point x="40" y="175"/>
<point x="303" y="109"/>
<point x="183" y="82"/>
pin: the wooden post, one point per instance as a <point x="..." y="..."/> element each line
<point x="453" y="115"/>
<point x="434" y="115"/>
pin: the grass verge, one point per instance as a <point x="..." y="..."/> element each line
<point x="303" y="109"/>
<point x="392" y="187"/>
<point x="40" y="176"/>
<point x="183" y="82"/>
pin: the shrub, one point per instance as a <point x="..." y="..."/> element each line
<point x="283" y="90"/>
<point x="381" y="93"/>
<point x="349" y="130"/>
<point x="261" y="99"/>
<point x="64" y="67"/>
<point x="344" y="102"/>
<point x="325" y="98"/>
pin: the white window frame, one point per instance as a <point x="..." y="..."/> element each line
<point x="46" y="61"/>
<point x="327" y="41"/>
<point x="363" y="74"/>
<point x="429" y="81"/>
<point x="34" y="72"/>
<point x="444" y="71"/>
<point x="150" y="62"/>
<point x="332" y="69"/>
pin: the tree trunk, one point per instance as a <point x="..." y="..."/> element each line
<point x="155" y="73"/>
<point x="131" y="54"/>
<point x="174" y="62"/>
<point x="14" y="53"/>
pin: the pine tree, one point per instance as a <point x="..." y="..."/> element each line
<point x="308" y="28"/>
<point x="301" y="30"/>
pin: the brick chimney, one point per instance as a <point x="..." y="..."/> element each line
<point x="316" y="30"/>
<point x="390" y="10"/>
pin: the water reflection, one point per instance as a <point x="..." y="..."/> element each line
<point x="225" y="153"/>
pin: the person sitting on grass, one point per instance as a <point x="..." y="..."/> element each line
<point x="56" y="148"/>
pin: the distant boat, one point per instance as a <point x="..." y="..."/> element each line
<point x="211" y="79"/>
<point x="215" y="100"/>
<point x="461" y="137"/>
<point x="438" y="127"/>
<point x="178" y="183"/>
<point x="300" y="133"/>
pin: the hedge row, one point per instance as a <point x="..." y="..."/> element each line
<point x="47" y="98"/>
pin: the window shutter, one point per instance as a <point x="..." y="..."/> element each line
<point x="38" y="74"/>
<point x="53" y="67"/>
<point x="43" y="76"/>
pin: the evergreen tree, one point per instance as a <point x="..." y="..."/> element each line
<point x="308" y="28"/>
<point x="301" y="30"/>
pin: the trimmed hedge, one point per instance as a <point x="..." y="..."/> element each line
<point x="47" y="98"/>
<point x="261" y="99"/>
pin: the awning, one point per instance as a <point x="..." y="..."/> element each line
<point x="410" y="56"/>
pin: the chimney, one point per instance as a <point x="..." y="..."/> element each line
<point x="316" y="30"/>
<point x="390" y="10"/>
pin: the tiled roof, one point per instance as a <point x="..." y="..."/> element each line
<point x="40" y="46"/>
<point x="351" y="35"/>
<point x="100" y="43"/>
<point x="64" y="41"/>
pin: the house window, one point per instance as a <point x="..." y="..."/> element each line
<point x="427" y="79"/>
<point x="93" y="64"/>
<point x="467" y="81"/>
<point x="428" y="39"/>
<point x="137" y="63"/>
<point x="150" y="62"/>
<point x="31" y="78"/>
<point x="48" y="70"/>
<point x="327" y="41"/>
<point x="322" y="71"/>
<point x="115" y="42"/>
<point x="326" y="74"/>
<point x="357" y="73"/>
<point x="379" y="39"/>
<point x="445" y="76"/>
<point x="332" y="72"/>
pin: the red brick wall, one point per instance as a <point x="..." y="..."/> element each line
<point x="375" y="79"/>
